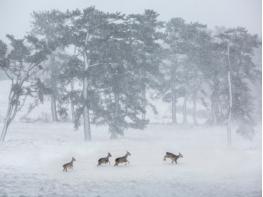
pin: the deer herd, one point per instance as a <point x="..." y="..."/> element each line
<point x="121" y="160"/>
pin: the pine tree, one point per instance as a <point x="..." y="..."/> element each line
<point x="21" y="64"/>
<point x="237" y="47"/>
<point x="187" y="46"/>
<point x="50" y="25"/>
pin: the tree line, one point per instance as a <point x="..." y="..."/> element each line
<point x="97" y="67"/>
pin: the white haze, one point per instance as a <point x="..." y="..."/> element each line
<point x="15" y="14"/>
<point x="36" y="148"/>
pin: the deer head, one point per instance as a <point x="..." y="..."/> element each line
<point x="180" y="155"/>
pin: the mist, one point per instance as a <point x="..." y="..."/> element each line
<point x="15" y="15"/>
<point x="135" y="98"/>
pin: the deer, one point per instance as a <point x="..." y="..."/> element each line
<point x="68" y="165"/>
<point x="104" y="160"/>
<point x="172" y="156"/>
<point x="122" y="159"/>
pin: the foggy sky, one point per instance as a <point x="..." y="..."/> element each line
<point x="15" y="14"/>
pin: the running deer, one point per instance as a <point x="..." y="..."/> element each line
<point x="68" y="165"/>
<point x="122" y="159"/>
<point x="172" y="156"/>
<point x="104" y="160"/>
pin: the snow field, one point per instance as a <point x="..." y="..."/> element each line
<point x="33" y="155"/>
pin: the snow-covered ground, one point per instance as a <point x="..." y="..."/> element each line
<point x="33" y="155"/>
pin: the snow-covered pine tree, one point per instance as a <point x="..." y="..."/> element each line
<point x="135" y="70"/>
<point x="85" y="32"/>
<point x="121" y="87"/>
<point x="147" y="38"/>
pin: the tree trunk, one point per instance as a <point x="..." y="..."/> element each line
<point x="54" y="109"/>
<point x="4" y="131"/>
<point x="114" y="127"/>
<point x="54" y="89"/>
<point x="174" y="100"/>
<point x="71" y="102"/>
<point x="10" y="114"/>
<point x="113" y="133"/>
<point x="7" y="122"/>
<point x="213" y="119"/>
<point x="213" y="116"/>
<point x="185" y="111"/>
<point x="144" y="102"/>
<point x="229" y="121"/>
<point x="86" y="117"/>
<point x="194" y="109"/>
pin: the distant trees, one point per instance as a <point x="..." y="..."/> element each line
<point x="188" y="50"/>
<point x="101" y="66"/>
<point x="199" y="63"/>
<point x="236" y="47"/>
